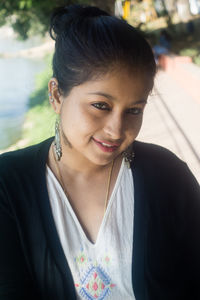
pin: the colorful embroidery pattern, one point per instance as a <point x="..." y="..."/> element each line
<point x="95" y="284"/>
<point x="94" y="281"/>
<point x="81" y="259"/>
<point x="106" y="259"/>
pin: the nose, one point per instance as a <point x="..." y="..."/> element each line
<point x="114" y="126"/>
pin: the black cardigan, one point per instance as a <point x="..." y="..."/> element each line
<point x="166" y="238"/>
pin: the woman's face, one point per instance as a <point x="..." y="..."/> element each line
<point x="101" y="118"/>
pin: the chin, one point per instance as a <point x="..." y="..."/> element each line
<point x="102" y="161"/>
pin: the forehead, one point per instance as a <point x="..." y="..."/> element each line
<point x="120" y="84"/>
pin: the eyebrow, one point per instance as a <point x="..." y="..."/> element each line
<point x="110" y="97"/>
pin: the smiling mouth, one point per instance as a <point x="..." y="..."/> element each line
<point x="106" y="146"/>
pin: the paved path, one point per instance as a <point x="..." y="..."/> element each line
<point x="172" y="120"/>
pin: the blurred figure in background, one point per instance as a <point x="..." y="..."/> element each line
<point x="163" y="46"/>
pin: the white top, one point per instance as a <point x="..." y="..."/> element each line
<point x="102" y="270"/>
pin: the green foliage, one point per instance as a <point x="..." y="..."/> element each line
<point x="28" y="17"/>
<point x="189" y="52"/>
<point x="197" y="60"/>
<point x="22" y="25"/>
<point x="39" y="124"/>
<point x="40" y="118"/>
<point x="25" y="4"/>
<point x="194" y="53"/>
<point x="40" y="95"/>
<point x="23" y="15"/>
<point x="2" y="18"/>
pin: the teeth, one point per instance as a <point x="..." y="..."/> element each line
<point x="106" y="145"/>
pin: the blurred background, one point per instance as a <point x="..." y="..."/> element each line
<point x="172" y="116"/>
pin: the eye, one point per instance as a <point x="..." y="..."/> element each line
<point x="135" y="111"/>
<point x="101" y="105"/>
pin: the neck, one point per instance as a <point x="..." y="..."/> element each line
<point x="75" y="165"/>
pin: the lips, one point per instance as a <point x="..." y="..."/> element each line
<point x="106" y="143"/>
<point x="106" y="146"/>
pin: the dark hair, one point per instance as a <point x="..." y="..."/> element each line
<point x="90" y="42"/>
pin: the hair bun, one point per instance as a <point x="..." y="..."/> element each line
<point x="63" y="17"/>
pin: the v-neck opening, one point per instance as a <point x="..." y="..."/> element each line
<point x="72" y="212"/>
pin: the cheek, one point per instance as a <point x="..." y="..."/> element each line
<point x="133" y="126"/>
<point x="78" y="122"/>
<point x="139" y="123"/>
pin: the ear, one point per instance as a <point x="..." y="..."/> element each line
<point x="55" y="98"/>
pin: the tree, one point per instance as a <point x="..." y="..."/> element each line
<point x="28" y="17"/>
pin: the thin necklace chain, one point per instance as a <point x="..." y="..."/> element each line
<point x="108" y="183"/>
<point x="108" y="186"/>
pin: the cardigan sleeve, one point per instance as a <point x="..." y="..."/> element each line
<point x="191" y="222"/>
<point x="170" y="214"/>
<point x="15" y="282"/>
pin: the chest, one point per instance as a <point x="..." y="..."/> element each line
<point x="89" y="203"/>
<point x="103" y="264"/>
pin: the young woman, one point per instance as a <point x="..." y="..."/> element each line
<point x="91" y="213"/>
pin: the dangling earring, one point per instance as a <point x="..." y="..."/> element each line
<point x="51" y="98"/>
<point x="57" y="143"/>
<point x="128" y="156"/>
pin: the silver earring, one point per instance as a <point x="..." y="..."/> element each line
<point x="51" y="98"/>
<point x="57" y="143"/>
<point x="128" y="156"/>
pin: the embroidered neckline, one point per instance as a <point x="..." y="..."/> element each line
<point x="75" y="218"/>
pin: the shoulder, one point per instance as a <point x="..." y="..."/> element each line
<point x="20" y="176"/>
<point x="21" y="160"/>
<point x="155" y="154"/>
<point x="166" y="179"/>
<point x="160" y="163"/>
